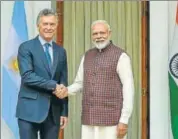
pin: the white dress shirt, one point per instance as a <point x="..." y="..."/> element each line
<point x="43" y="42"/>
<point x="124" y="70"/>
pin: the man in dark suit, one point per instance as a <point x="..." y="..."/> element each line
<point x="43" y="70"/>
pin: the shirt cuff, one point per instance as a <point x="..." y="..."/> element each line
<point x="124" y="120"/>
<point x="70" y="93"/>
<point x="52" y="85"/>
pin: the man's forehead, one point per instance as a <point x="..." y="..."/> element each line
<point x="50" y="18"/>
<point x="99" y="26"/>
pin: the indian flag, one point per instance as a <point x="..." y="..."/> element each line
<point x="10" y="73"/>
<point x="173" y="80"/>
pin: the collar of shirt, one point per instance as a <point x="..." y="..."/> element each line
<point x="43" y="42"/>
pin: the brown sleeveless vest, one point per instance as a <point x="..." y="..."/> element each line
<point x="102" y="95"/>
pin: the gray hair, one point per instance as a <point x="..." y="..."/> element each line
<point x="45" y="12"/>
<point x="103" y="22"/>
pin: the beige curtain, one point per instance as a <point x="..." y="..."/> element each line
<point x="124" y="18"/>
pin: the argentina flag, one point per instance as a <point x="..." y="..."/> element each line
<point x="10" y="73"/>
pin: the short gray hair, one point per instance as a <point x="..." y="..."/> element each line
<point x="103" y="22"/>
<point x="46" y="12"/>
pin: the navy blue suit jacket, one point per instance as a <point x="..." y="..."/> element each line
<point x="38" y="82"/>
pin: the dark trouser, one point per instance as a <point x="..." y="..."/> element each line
<point x="47" y="129"/>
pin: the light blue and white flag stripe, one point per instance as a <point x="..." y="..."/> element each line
<point x="10" y="75"/>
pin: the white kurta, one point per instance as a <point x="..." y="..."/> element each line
<point x="124" y="70"/>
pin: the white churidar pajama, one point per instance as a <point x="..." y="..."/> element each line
<point x="99" y="132"/>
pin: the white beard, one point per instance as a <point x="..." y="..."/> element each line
<point x="101" y="45"/>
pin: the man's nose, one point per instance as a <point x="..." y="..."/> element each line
<point x="48" y="26"/>
<point x="99" y="35"/>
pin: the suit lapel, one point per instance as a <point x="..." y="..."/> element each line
<point x="55" y="59"/>
<point x="40" y="50"/>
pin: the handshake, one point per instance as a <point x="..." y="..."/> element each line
<point x="61" y="91"/>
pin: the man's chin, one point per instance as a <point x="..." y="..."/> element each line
<point x="49" y="38"/>
<point x="98" y="43"/>
<point x="101" y="44"/>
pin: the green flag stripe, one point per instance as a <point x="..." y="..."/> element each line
<point x="174" y="106"/>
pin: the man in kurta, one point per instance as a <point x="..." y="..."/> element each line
<point x="106" y="80"/>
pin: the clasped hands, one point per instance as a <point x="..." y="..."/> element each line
<point x="61" y="91"/>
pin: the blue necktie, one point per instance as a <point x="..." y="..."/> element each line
<point x="47" y="45"/>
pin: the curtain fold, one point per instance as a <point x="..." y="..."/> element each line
<point x="124" y="18"/>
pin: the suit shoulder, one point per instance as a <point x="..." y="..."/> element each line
<point x="59" y="47"/>
<point x="27" y="44"/>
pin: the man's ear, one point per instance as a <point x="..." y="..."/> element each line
<point x="109" y="32"/>
<point x="38" y="27"/>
